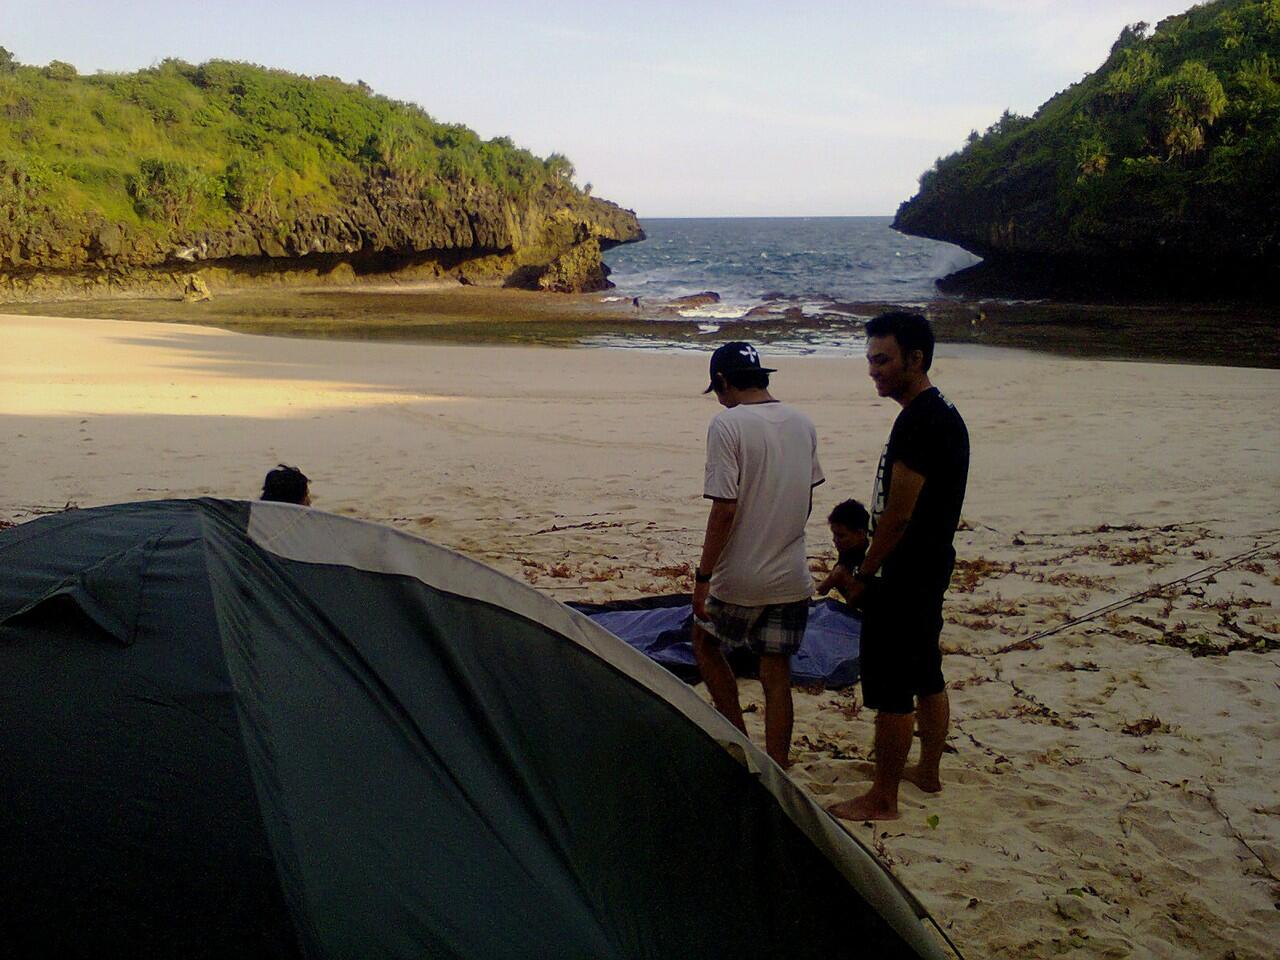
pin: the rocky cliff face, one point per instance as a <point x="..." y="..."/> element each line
<point x="550" y="239"/>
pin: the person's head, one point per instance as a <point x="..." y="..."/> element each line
<point x="287" y="484"/>
<point x="899" y="352"/>
<point x="735" y="366"/>
<point x="849" y="521"/>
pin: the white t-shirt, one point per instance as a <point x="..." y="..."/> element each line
<point x="764" y="456"/>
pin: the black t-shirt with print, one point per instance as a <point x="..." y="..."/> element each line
<point x="930" y="438"/>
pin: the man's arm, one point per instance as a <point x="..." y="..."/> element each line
<point x="904" y="491"/>
<point x="719" y="524"/>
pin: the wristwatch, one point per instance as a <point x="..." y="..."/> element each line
<point x="700" y="577"/>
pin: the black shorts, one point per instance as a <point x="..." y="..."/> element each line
<point x="900" y="655"/>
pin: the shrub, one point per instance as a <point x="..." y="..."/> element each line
<point x="247" y="185"/>
<point x="184" y="146"/>
<point x="559" y="167"/>
<point x="1185" y="102"/>
<point x="1136" y="69"/>
<point x="60" y="70"/>
<point x="1091" y="157"/>
<point x="166" y="190"/>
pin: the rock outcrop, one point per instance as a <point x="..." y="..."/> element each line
<point x="703" y="299"/>
<point x="550" y="240"/>
<point x="196" y="290"/>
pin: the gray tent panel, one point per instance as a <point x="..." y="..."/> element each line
<point x="442" y="761"/>
<point x="130" y="822"/>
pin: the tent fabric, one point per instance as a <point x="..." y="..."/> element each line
<point x="659" y="627"/>
<point x="236" y="729"/>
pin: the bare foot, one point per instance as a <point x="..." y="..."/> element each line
<point x="865" y="807"/>
<point x="928" y="782"/>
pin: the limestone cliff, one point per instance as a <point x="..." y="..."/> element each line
<point x="551" y="239"/>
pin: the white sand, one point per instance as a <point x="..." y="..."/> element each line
<point x="580" y="470"/>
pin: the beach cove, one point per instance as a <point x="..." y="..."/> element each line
<point x="1113" y="787"/>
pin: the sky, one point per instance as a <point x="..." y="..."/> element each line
<point x="683" y="108"/>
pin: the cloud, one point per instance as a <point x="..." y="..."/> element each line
<point x="870" y="116"/>
<point x="572" y="34"/>
<point x="692" y="71"/>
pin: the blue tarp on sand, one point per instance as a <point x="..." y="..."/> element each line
<point x="659" y="628"/>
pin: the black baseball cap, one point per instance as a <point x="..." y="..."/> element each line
<point x="733" y="356"/>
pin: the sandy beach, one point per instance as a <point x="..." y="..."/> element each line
<point x="1113" y="790"/>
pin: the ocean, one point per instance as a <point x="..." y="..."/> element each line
<point x="808" y="261"/>
<point x="808" y="284"/>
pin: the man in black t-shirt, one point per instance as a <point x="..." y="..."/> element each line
<point x="915" y="509"/>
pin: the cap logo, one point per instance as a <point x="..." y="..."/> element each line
<point x="750" y="353"/>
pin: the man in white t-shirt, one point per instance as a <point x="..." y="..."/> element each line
<point x="752" y="585"/>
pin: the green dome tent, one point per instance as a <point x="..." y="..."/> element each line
<point x="236" y="729"/>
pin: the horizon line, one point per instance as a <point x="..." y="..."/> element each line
<point x="767" y="216"/>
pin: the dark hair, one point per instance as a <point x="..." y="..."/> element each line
<point x="850" y="514"/>
<point x="911" y="330"/>
<point x="285" y="484"/>
<point x="747" y="379"/>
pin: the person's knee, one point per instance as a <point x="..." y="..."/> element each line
<point x="707" y="652"/>
<point x="887" y="701"/>
<point x="775" y="672"/>
<point x="933" y="701"/>
<point x="895" y="719"/>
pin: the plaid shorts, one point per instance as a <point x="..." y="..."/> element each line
<point x="776" y="628"/>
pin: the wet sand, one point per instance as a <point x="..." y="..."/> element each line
<point x="1247" y="336"/>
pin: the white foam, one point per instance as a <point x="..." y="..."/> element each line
<point x="714" y="311"/>
<point x="948" y="259"/>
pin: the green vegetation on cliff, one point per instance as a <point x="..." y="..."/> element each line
<point x="1169" y="152"/>
<point x="183" y="145"/>
<point x="237" y="161"/>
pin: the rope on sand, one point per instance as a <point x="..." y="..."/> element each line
<point x="1204" y="573"/>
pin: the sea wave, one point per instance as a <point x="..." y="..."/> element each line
<point x="714" y="311"/>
